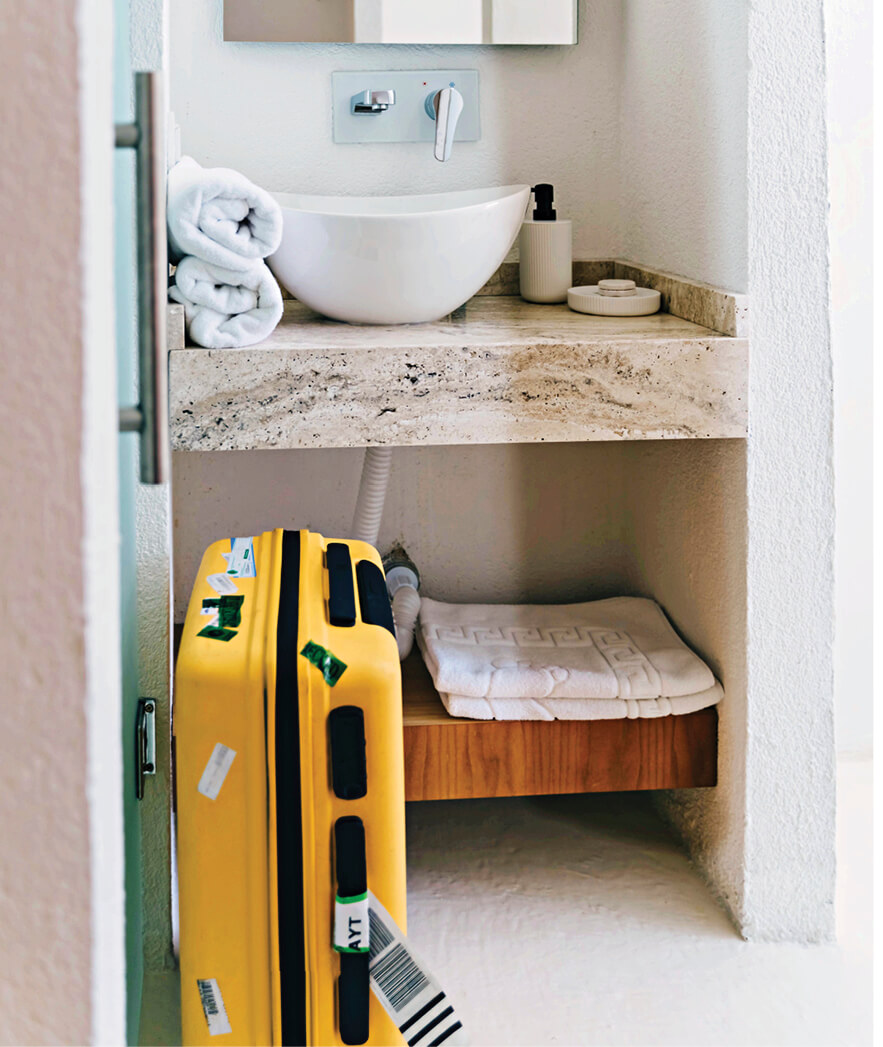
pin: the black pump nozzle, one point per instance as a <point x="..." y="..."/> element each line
<point x="543" y="195"/>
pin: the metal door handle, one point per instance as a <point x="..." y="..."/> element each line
<point x="150" y="415"/>
<point x="145" y="743"/>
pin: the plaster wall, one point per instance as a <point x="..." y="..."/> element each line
<point x="848" y="48"/>
<point x="683" y="83"/>
<point x="547" y="114"/>
<point x="61" y="906"/>
<point x="783" y="805"/>
<point x="498" y="524"/>
<point x="686" y="528"/>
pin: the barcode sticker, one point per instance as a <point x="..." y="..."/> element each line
<point x="216" y="769"/>
<point x="403" y="984"/>
<point x="380" y="935"/>
<point x="213" y="1006"/>
<point x="398" y="977"/>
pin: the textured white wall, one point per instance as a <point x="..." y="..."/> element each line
<point x="784" y="888"/>
<point x="61" y="907"/>
<point x="547" y="114"/>
<point x="687" y="538"/>
<point x="682" y="138"/>
<point x="532" y="522"/>
<point x="848" y="45"/>
<point x="789" y="881"/>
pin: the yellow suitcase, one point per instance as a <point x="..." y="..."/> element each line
<point x="289" y="787"/>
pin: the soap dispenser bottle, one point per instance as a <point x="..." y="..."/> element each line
<point x="545" y="247"/>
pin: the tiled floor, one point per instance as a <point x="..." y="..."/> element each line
<point x="577" y="920"/>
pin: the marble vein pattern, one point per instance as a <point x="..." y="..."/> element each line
<point x="498" y="371"/>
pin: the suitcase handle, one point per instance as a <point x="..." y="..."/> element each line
<point x="373" y="596"/>
<point x="349" y="770"/>
<point x="341" y="593"/>
<point x="354" y="983"/>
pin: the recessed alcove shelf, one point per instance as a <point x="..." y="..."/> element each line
<point x="447" y="758"/>
<point x="453" y="759"/>
<point x="499" y="370"/>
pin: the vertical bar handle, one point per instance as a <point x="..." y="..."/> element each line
<point x="147" y="137"/>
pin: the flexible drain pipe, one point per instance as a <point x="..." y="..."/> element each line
<point x="402" y="579"/>
<point x="372" y="494"/>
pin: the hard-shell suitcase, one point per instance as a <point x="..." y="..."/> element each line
<point x="290" y="789"/>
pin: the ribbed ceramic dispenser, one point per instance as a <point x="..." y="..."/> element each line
<point x="545" y="247"/>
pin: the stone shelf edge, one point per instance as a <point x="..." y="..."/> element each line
<point x="497" y="371"/>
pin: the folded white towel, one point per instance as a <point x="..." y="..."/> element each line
<point x="225" y="308"/>
<point x="579" y="708"/>
<point x="619" y="648"/>
<point x="220" y="216"/>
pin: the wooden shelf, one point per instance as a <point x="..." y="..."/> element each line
<point x="451" y="759"/>
<point x="448" y="758"/>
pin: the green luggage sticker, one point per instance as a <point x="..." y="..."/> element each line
<point x="331" y="668"/>
<point x="229" y="610"/>
<point x="214" y="632"/>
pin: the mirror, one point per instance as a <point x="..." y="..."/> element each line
<point x="403" y="21"/>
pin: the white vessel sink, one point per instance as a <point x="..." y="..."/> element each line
<point x="395" y="259"/>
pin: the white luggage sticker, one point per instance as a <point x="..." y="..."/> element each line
<point x="216" y="769"/>
<point x="213" y="1006"/>
<point x="351" y="923"/>
<point x="401" y="981"/>
<point x="223" y="584"/>
<point x="241" y="561"/>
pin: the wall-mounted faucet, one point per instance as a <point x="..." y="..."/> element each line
<point x="444" y="107"/>
<point x="407" y="105"/>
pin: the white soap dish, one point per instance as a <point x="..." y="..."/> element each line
<point x="614" y="298"/>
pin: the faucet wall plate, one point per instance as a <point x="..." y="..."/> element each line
<point x="407" y="120"/>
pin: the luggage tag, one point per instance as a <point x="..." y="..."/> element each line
<point x="213" y="1006"/>
<point x="240" y="559"/>
<point x="403" y="984"/>
<point x="223" y="584"/>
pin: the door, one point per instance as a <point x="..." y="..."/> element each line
<point x="127" y="368"/>
<point x="140" y="278"/>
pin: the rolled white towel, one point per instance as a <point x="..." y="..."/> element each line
<point x="218" y="215"/>
<point x="226" y="308"/>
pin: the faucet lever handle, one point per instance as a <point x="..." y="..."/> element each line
<point x="448" y="105"/>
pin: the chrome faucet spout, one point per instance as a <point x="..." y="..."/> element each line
<point x="444" y="107"/>
<point x="372" y="101"/>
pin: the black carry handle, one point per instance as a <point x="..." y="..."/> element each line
<point x="349" y="770"/>
<point x="373" y="595"/>
<point x="341" y="594"/>
<point x="353" y="986"/>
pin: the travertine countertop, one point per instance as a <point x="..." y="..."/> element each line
<point x="498" y="370"/>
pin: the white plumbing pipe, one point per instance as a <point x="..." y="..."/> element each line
<point x="372" y="494"/>
<point x="405" y="608"/>
<point x="402" y="581"/>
